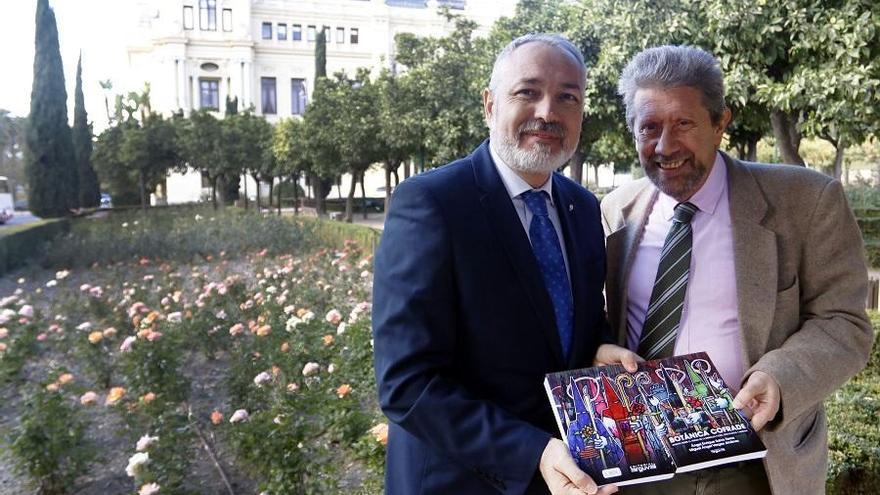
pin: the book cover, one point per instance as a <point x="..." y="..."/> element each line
<point x="672" y="415"/>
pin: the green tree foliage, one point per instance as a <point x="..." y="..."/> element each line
<point x="49" y="159"/>
<point x="247" y="147"/>
<point x="354" y="136"/>
<point x="230" y="192"/>
<point x="320" y="56"/>
<point x="201" y="146"/>
<point x="448" y="73"/>
<point x="12" y="131"/>
<point x="107" y="158"/>
<point x="150" y="150"/>
<point x="288" y="146"/>
<point x="89" y="194"/>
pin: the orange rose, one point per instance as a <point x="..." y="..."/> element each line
<point x="343" y="390"/>
<point x="96" y="337"/>
<point x="115" y="394"/>
<point x="216" y="417"/>
<point x="328" y="339"/>
<point x="380" y="433"/>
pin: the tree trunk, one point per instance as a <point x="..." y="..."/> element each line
<point x="396" y="176"/>
<point x="271" y="190"/>
<point x="788" y="138"/>
<point x="143" y="187"/>
<point x="259" y="202"/>
<point x="279" y="196"/>
<point x="244" y="180"/>
<point x="349" y="200"/>
<point x="752" y="149"/>
<point x="596" y="175"/>
<point x="318" y="188"/>
<point x="389" y="165"/>
<point x="295" y="179"/>
<point x="221" y="190"/>
<point x="406" y="168"/>
<point x="364" y="193"/>
<point x="839" y="150"/>
<point x="577" y="167"/>
<point x="214" y="192"/>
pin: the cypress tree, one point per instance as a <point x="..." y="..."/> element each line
<point x="89" y="190"/>
<point x="322" y="185"/>
<point x="320" y="57"/>
<point x="50" y="163"/>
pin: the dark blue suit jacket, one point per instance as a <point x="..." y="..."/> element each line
<point x="465" y="331"/>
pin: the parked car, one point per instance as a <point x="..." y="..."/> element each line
<point x="106" y="201"/>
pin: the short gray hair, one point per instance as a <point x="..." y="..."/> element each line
<point x="671" y="66"/>
<point x="553" y="40"/>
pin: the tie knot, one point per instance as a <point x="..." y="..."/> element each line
<point x="684" y="212"/>
<point x="536" y="202"/>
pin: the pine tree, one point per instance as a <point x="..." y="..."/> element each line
<point x="50" y="162"/>
<point x="89" y="190"/>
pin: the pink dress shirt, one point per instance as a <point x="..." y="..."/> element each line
<point x="709" y="320"/>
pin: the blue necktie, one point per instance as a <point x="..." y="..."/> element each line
<point x="545" y="245"/>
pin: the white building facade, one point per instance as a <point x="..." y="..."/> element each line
<point x="196" y="53"/>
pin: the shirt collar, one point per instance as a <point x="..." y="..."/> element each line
<point x="515" y="184"/>
<point x="706" y="198"/>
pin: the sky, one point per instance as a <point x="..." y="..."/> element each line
<point x="94" y="26"/>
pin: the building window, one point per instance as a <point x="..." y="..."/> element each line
<point x="208" y="15"/>
<point x="328" y="35"/>
<point x="296" y="32"/>
<point x="297" y="96"/>
<point x="413" y="4"/>
<point x="354" y="36"/>
<point x="311" y="34"/>
<point x="452" y="4"/>
<point x="209" y="94"/>
<point x="267" y="87"/>
<point x="282" y="32"/>
<point x="187" y="17"/>
<point x="267" y="30"/>
<point x="340" y="35"/>
<point x="227" y="20"/>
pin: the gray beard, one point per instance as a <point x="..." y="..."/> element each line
<point x="536" y="160"/>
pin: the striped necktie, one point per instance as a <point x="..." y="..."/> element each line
<point x="667" y="298"/>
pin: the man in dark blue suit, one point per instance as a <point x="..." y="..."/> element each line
<point x="488" y="276"/>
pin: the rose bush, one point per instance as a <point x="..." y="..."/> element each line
<point x="255" y="349"/>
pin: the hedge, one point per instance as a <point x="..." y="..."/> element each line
<point x="18" y="243"/>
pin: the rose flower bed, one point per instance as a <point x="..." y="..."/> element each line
<point x="202" y="353"/>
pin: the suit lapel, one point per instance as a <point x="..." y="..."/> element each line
<point x="755" y="259"/>
<point x="507" y="227"/>
<point x="621" y="246"/>
<point x="567" y="219"/>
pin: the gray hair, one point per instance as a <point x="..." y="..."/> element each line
<point x="553" y="40"/>
<point x="672" y="66"/>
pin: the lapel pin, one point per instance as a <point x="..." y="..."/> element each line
<point x="570" y="207"/>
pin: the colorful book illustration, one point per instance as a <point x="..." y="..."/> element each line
<point x="671" y="416"/>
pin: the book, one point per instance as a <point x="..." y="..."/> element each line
<point x="671" y="416"/>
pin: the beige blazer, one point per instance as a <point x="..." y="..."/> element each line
<point x="801" y="284"/>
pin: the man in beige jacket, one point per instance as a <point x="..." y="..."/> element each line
<point x="759" y="265"/>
